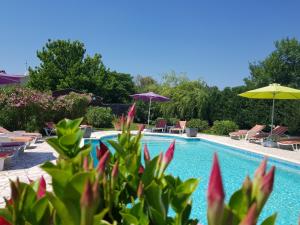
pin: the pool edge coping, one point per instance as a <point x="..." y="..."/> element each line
<point x="279" y="159"/>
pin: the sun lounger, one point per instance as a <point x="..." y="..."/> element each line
<point x="50" y="128"/>
<point x="3" y="157"/>
<point x="277" y="132"/>
<point x="160" y="126"/>
<point x="8" y="150"/>
<point x="87" y="130"/>
<point x="179" y="127"/>
<point x="22" y="133"/>
<point x="294" y="143"/>
<point x="13" y="138"/>
<point x="247" y="134"/>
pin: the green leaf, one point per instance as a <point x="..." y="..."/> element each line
<point x="100" y="216"/>
<point x="62" y="211"/>
<point x="186" y="214"/>
<point x="129" y="219"/>
<point x="57" y="174"/>
<point x="6" y="214"/>
<point x="73" y="125"/>
<point x="183" y="193"/>
<point x="270" y="220"/>
<point x="153" y="195"/>
<point x="149" y="172"/>
<point x="71" y="139"/>
<point x="239" y="203"/>
<point x="54" y="143"/>
<point x="79" y="180"/>
<point x="117" y="147"/>
<point x="188" y="186"/>
<point x="39" y="208"/>
<point x="156" y="217"/>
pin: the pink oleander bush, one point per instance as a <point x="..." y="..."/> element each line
<point x="125" y="188"/>
<point x="27" y="109"/>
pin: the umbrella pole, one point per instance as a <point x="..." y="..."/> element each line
<point x="272" y="122"/>
<point x="149" y="112"/>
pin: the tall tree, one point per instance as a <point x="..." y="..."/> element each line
<point x="144" y="83"/>
<point x="281" y="66"/>
<point x="64" y="64"/>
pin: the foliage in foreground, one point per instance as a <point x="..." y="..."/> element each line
<point x="123" y="190"/>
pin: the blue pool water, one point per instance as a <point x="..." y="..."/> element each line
<point x="193" y="158"/>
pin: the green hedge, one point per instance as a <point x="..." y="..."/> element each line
<point x="224" y="127"/>
<point x="99" y="117"/>
<point x="197" y="123"/>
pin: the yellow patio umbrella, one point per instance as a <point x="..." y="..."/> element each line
<point x="273" y="91"/>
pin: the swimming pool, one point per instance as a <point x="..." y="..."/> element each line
<point x="193" y="158"/>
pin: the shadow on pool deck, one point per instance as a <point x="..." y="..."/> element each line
<point x="30" y="159"/>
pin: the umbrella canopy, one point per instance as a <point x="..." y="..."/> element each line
<point x="273" y="91"/>
<point x="150" y="96"/>
<point x="10" y="78"/>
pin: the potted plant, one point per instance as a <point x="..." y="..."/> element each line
<point x="194" y="126"/>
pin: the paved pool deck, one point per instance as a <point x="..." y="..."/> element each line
<point x="27" y="164"/>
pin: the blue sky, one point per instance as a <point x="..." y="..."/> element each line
<point x="212" y="40"/>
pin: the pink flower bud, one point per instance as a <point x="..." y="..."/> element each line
<point x="115" y="170"/>
<point x="268" y="181"/>
<point x="215" y="186"/>
<point x="247" y="185"/>
<point x="87" y="195"/>
<point x="250" y="218"/>
<point x="96" y="189"/>
<point x="42" y="188"/>
<point x="146" y="153"/>
<point x="122" y="120"/>
<point x="102" y="162"/>
<point x="85" y="163"/>
<point x="215" y="194"/>
<point x="166" y="159"/>
<point x="4" y="221"/>
<point x="169" y="154"/>
<point x="261" y="170"/>
<point x="258" y="176"/>
<point x="130" y="114"/>
<point x="264" y="189"/>
<point x="141" y="169"/>
<point x="101" y="151"/>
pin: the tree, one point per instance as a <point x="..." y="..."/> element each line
<point x="64" y="64"/>
<point x="145" y="83"/>
<point x="281" y="66"/>
<point x="188" y="98"/>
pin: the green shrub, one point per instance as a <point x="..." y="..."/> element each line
<point x="224" y="127"/>
<point x="27" y="109"/>
<point x="172" y="121"/>
<point x="24" y="109"/>
<point x="197" y="123"/>
<point x="99" y="117"/>
<point x="71" y="106"/>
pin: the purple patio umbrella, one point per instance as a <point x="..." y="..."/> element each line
<point x="9" y="79"/>
<point x="151" y="97"/>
